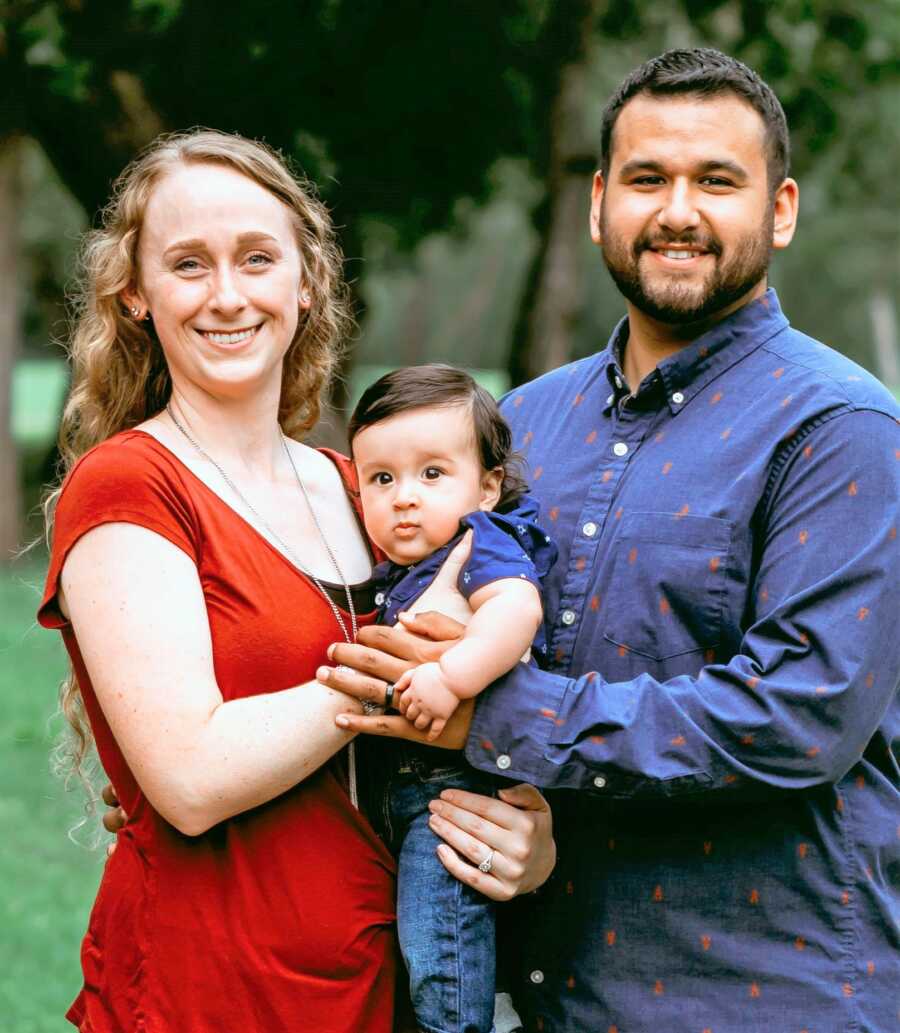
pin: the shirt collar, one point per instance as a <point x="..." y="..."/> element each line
<point x="689" y="370"/>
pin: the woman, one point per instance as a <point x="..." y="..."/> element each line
<point x="247" y="891"/>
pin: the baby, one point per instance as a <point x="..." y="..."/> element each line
<point x="435" y="462"/>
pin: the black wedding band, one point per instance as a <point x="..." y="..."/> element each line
<point x="389" y="696"/>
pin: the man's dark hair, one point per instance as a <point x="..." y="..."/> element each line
<point x="704" y="72"/>
<point x="437" y="384"/>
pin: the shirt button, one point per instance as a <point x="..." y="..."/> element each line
<point x="568" y="616"/>
<point x="620" y="448"/>
<point x="503" y="761"/>
<point x="537" y="976"/>
<point x="379" y="598"/>
<point x="677" y="397"/>
<point x="599" y="782"/>
<point x="618" y="381"/>
<point x="589" y="529"/>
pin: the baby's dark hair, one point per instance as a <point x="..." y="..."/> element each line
<point x="437" y="384"/>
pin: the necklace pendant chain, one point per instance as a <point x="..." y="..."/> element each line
<point x="348" y="633"/>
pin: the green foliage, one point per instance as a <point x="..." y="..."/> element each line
<point x="404" y="106"/>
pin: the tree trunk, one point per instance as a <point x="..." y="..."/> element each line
<point x="883" y="316"/>
<point x="10" y="332"/>
<point x="552" y="300"/>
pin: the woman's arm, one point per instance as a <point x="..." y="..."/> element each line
<point x="137" y="610"/>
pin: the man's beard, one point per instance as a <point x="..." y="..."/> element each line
<point x="672" y="300"/>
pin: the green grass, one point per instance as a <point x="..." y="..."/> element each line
<point x="47" y="883"/>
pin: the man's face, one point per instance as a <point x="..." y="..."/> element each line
<point x="685" y="216"/>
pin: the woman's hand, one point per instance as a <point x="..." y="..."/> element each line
<point x="514" y="832"/>
<point x="114" y="817"/>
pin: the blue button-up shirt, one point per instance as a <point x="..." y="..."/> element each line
<point x="717" y="725"/>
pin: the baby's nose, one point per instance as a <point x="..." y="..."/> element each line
<point x="406" y="496"/>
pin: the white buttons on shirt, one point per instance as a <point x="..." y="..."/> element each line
<point x="568" y="616"/>
<point x="379" y="598"/>
<point x="589" y="529"/>
<point x="537" y="976"/>
<point x="503" y="761"/>
<point x="677" y="397"/>
<point x="620" y="448"/>
<point x="610" y="400"/>
<point x="599" y="781"/>
<point x="618" y="381"/>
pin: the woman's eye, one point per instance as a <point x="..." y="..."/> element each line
<point x="187" y="265"/>
<point x="258" y="258"/>
<point x="432" y="473"/>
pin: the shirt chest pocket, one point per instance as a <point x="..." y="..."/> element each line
<point x="668" y="586"/>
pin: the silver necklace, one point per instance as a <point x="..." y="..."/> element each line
<point x="348" y="633"/>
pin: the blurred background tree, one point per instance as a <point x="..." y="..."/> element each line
<point x="454" y="143"/>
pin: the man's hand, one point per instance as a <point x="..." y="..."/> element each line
<point x="381" y="655"/>
<point x="453" y="737"/>
<point x="426" y="699"/>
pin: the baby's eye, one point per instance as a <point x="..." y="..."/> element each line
<point x="381" y="478"/>
<point x="432" y="473"/>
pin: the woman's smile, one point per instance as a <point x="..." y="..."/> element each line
<point x="230" y="338"/>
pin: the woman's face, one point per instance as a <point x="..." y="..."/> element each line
<point x="220" y="273"/>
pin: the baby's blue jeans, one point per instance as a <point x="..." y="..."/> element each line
<point x="446" y="929"/>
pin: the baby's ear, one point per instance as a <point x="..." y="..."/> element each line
<point x="491" y="488"/>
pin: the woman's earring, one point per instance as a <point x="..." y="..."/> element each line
<point x="305" y="299"/>
<point x="134" y="311"/>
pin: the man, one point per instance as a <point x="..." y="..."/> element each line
<point x="715" y="727"/>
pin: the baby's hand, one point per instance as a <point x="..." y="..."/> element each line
<point x="425" y="699"/>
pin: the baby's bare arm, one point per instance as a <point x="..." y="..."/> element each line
<point x="506" y="614"/>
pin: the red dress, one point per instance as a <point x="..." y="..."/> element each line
<point x="281" y="918"/>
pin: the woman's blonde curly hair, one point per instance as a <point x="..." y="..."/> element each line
<point x="119" y="374"/>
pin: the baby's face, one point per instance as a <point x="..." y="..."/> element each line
<point x="419" y="473"/>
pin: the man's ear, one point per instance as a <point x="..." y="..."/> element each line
<point x="596" y="201"/>
<point x="491" y="488"/>
<point x="786" y="208"/>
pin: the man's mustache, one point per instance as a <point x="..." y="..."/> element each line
<point x="655" y="243"/>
